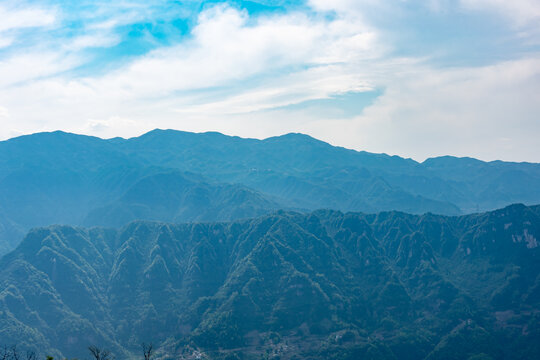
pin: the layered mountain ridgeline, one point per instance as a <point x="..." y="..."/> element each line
<point x="175" y="197"/>
<point x="325" y="285"/>
<point x="61" y="178"/>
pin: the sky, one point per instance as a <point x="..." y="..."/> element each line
<point x="411" y="78"/>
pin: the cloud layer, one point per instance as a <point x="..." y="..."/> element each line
<point x="120" y="71"/>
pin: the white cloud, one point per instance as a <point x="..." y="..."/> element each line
<point x="25" y="17"/>
<point x="488" y="112"/>
<point x="341" y="6"/>
<point x="97" y="39"/>
<point x="6" y="41"/>
<point x="13" y="19"/>
<point x="315" y="83"/>
<point x="3" y="112"/>
<point x="115" y="125"/>
<point x="521" y="12"/>
<point x="24" y="67"/>
<point x="226" y="47"/>
<point x="300" y="57"/>
<point x="233" y="71"/>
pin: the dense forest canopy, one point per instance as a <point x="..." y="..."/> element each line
<point x="319" y="285"/>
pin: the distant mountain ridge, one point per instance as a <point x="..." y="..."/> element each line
<point x="323" y="285"/>
<point x="175" y="197"/>
<point x="62" y="178"/>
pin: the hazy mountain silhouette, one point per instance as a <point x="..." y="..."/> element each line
<point x="62" y="178"/>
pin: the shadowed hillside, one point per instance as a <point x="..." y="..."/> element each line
<point x="61" y="178"/>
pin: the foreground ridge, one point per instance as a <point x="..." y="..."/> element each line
<point x="321" y="285"/>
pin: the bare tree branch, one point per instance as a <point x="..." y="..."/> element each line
<point x="14" y="353"/>
<point x="99" y="354"/>
<point x="4" y="353"/>
<point x="147" y="350"/>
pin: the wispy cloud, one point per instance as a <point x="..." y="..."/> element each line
<point x="20" y="68"/>
<point x="206" y="66"/>
<point x="488" y="111"/>
<point x="17" y="17"/>
<point x="226" y="46"/>
<point x="520" y="12"/>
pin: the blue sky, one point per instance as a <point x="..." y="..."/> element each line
<point x="413" y="78"/>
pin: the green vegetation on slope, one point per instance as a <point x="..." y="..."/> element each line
<point x="325" y="285"/>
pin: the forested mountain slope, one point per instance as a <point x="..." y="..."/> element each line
<point x="321" y="285"/>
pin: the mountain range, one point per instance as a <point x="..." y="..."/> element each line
<point x="287" y="285"/>
<point x="174" y="176"/>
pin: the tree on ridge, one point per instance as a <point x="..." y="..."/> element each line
<point x="99" y="354"/>
<point x="147" y="350"/>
